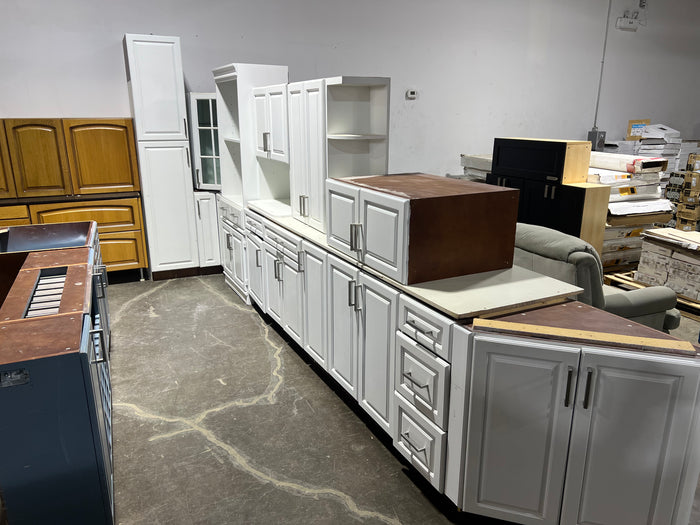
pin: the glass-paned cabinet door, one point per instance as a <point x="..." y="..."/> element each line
<point x="205" y="141"/>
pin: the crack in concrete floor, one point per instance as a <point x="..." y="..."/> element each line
<point x="194" y="424"/>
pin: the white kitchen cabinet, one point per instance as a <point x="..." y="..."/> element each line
<point x="632" y="421"/>
<point x="254" y="256"/>
<point x="273" y="283"/>
<point x="207" y="228"/>
<point x="307" y="151"/>
<point x="344" y="322"/>
<point x="378" y="307"/>
<point x="521" y="406"/>
<point x="240" y="180"/>
<point x="370" y="226"/>
<point x="166" y="184"/>
<point x="204" y="138"/>
<point x="271" y="122"/>
<point x="157" y="87"/>
<point x="234" y="260"/>
<point x="314" y="302"/>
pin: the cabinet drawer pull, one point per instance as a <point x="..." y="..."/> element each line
<point x="187" y="150"/>
<point x="351" y="293"/>
<point x="199" y="211"/>
<point x="100" y="271"/>
<point x="587" y="395"/>
<point x="412" y="445"/>
<point x="228" y="242"/>
<point x="353" y="246"/>
<point x="551" y="196"/>
<point x="546" y="191"/>
<point x="358" y="296"/>
<point x="569" y="376"/>
<point x="266" y="141"/>
<point x="430" y="334"/>
<point x="409" y="377"/>
<point x="300" y="261"/>
<point x="199" y="176"/>
<point x="184" y="120"/>
<point x="305" y="202"/>
<point x="257" y="258"/>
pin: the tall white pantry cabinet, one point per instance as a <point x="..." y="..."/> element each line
<point x="157" y="92"/>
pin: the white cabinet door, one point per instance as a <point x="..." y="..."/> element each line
<point x="631" y="426"/>
<point x="315" y="102"/>
<point x="315" y="318"/>
<point x="226" y="241"/>
<point x="270" y="103"/>
<point x="298" y="175"/>
<point x="254" y="255"/>
<point x="521" y="406"/>
<point x="343" y="211"/>
<point x="292" y="276"/>
<point x="384" y="233"/>
<point x="277" y="107"/>
<point x="379" y="305"/>
<point x="273" y="285"/>
<point x="239" y="260"/>
<point x="166" y="185"/>
<point x="157" y="87"/>
<point x="343" y="323"/>
<point x="207" y="229"/>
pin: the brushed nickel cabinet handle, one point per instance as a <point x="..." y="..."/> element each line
<point x="587" y="395"/>
<point x="569" y="376"/>
<point x="266" y="141"/>
<point x="410" y="443"/>
<point x="409" y="377"/>
<point x="351" y="293"/>
<point x="257" y="259"/>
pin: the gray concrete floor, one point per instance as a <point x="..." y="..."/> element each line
<point x="219" y="420"/>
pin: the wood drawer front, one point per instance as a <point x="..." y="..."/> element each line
<point x="111" y="215"/>
<point x="421" y="442"/>
<point x="423" y="379"/>
<point x="101" y="155"/>
<point x="38" y="156"/>
<point x="426" y="326"/>
<point x="123" y="250"/>
<point x="14" y="222"/>
<point x="14" y="212"/>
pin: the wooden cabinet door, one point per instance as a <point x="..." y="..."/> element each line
<point x="168" y="205"/>
<point x="379" y="306"/>
<point x="101" y="155"/>
<point x="384" y="233"/>
<point x="343" y="323"/>
<point x="521" y="406"/>
<point x="632" y="422"/>
<point x="7" y="183"/>
<point x="38" y="156"/>
<point x="207" y="229"/>
<point x="343" y="211"/>
<point x="157" y="87"/>
<point x="315" y="321"/>
<point x="111" y="215"/>
<point x="123" y="250"/>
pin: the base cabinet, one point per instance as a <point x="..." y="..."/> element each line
<point x="314" y="303"/>
<point x="207" y="229"/>
<point x="632" y="418"/>
<point x="254" y="257"/>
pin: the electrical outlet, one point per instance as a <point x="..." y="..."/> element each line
<point x="411" y="94"/>
<point x="627" y="24"/>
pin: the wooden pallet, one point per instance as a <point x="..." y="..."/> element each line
<point x="688" y="307"/>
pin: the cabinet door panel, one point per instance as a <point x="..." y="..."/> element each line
<point x="226" y="251"/>
<point x="255" y="269"/>
<point x="298" y="177"/>
<point x="239" y="273"/>
<point x="261" y="120"/>
<point x="123" y="250"/>
<point x="273" y="287"/>
<point x="376" y="386"/>
<point x="292" y="298"/>
<point x="632" y="434"/>
<point x="111" y="215"/>
<point x="315" y="102"/>
<point x="277" y="103"/>
<point x="518" y="434"/>
<point x="207" y="229"/>
<point x="384" y="219"/>
<point x="38" y="156"/>
<point x="101" y="155"/>
<point x="343" y="210"/>
<point x="157" y="87"/>
<point x="342" y="324"/>
<point x="315" y="261"/>
<point x="7" y="183"/>
<point x="168" y="205"/>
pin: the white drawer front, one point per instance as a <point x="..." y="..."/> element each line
<point x="423" y="379"/>
<point x="426" y="326"/>
<point x="419" y="441"/>
<point x="281" y="239"/>
<point x="254" y="223"/>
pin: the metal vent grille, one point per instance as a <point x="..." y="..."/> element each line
<point x="47" y="296"/>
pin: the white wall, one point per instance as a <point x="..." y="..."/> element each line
<point x="482" y="69"/>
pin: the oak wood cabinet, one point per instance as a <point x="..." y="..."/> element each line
<point x="14" y="215"/>
<point x="7" y="183"/>
<point x="38" y="157"/>
<point x="101" y="155"/>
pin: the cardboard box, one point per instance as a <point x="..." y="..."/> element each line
<point x="673" y="192"/>
<point x="691" y="180"/>
<point x="686" y="225"/>
<point x="628" y="163"/>
<point x="676" y="178"/>
<point x="690" y="196"/>
<point x="693" y="162"/>
<point x="689" y="212"/>
<point x="620" y="232"/>
<point x="635" y="128"/>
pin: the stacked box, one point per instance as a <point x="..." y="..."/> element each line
<point x="689" y="212"/>
<point x="686" y="225"/>
<point x="690" y="196"/>
<point x="693" y="162"/>
<point x="670" y="265"/>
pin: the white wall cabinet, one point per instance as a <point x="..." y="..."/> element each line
<point x="370" y="226"/>
<point x="166" y="185"/>
<point x="271" y="122"/>
<point x="307" y="151"/>
<point x="632" y="418"/>
<point x="207" y="228"/>
<point x="314" y="302"/>
<point x="157" y="87"/>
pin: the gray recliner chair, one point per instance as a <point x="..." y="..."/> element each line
<point x="573" y="260"/>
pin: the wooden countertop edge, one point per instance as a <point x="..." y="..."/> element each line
<point x="684" y="348"/>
